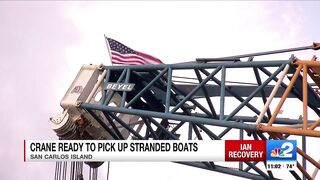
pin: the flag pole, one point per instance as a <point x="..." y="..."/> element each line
<point x="108" y="47"/>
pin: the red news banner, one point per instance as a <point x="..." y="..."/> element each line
<point x="245" y="150"/>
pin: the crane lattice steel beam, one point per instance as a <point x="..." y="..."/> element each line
<point x="165" y="106"/>
<point x="211" y="98"/>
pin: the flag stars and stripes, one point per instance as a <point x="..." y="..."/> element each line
<point x="121" y="54"/>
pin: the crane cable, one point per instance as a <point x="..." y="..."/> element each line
<point x="93" y="173"/>
<point x="56" y="171"/>
<point x="64" y="172"/>
<point x="61" y="171"/>
<point x="95" y="176"/>
<point x="79" y="170"/>
<point x="72" y="170"/>
<point x="108" y="170"/>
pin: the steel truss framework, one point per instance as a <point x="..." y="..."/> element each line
<point x="166" y="105"/>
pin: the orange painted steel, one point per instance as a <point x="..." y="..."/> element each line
<point x="315" y="78"/>
<point x="304" y="172"/>
<point x="311" y="68"/>
<point x="305" y="97"/>
<point x="314" y="125"/>
<point x="303" y="154"/>
<point x="308" y="63"/>
<point x="284" y="96"/>
<point x="314" y="72"/>
<point x="315" y="171"/>
<point x="310" y="159"/>
<point x="294" y="131"/>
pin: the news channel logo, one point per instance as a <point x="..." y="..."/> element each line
<point x="281" y="150"/>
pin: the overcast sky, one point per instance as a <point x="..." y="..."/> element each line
<point x="43" y="45"/>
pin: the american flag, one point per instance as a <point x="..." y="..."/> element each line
<point x="122" y="54"/>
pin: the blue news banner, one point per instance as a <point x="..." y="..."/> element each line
<point x="281" y="154"/>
